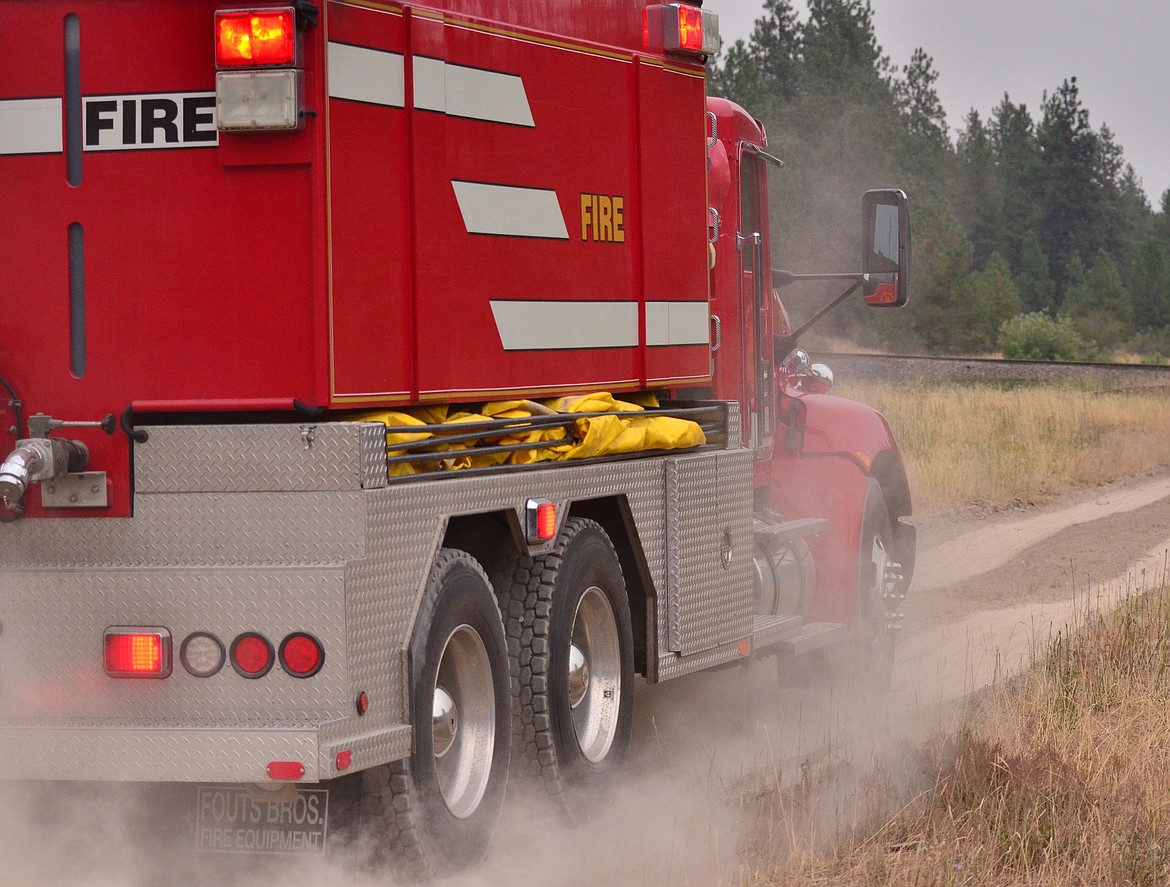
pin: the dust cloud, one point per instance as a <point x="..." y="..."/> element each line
<point x="727" y="770"/>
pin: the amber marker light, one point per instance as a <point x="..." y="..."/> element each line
<point x="133" y="652"/>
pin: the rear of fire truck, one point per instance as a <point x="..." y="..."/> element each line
<point x="226" y="227"/>
<point x="243" y="244"/>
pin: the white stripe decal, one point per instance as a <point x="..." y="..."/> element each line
<point x="30" y="126"/>
<point x="510" y="211"/>
<point x="678" y="323"/>
<point x="430" y="84"/>
<point x="563" y="326"/>
<point x="470" y="92"/>
<point x="366" y="75"/>
<point x="376" y="77"/>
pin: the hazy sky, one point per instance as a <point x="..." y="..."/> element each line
<point x="1117" y="50"/>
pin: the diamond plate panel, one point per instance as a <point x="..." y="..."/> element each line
<point x="672" y="666"/>
<point x="367" y="751"/>
<point x="714" y="600"/>
<point x="155" y="755"/>
<point x="258" y="458"/>
<point x="198" y="529"/>
<point x="51" y="662"/>
<point x="372" y="441"/>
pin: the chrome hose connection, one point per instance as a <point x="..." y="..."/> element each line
<point x="21" y="464"/>
<point x="38" y="459"/>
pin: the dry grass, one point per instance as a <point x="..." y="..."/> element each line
<point x="1061" y="777"/>
<point x="1000" y="446"/>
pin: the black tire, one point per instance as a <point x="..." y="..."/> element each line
<point x="876" y="638"/>
<point x="571" y="727"/>
<point x="434" y="814"/>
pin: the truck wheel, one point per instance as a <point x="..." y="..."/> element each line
<point x="435" y="813"/>
<point x="876" y="639"/>
<point x="567" y="617"/>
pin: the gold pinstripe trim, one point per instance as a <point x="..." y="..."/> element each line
<point x="685" y="380"/>
<point x="369" y="4"/>
<point x="543" y="391"/>
<point x="674" y="69"/>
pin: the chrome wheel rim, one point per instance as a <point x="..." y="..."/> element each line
<point x="463" y="720"/>
<point x="594" y="675"/>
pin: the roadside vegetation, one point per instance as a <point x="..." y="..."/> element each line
<point x="1058" y="776"/>
<point x="1003" y="446"/>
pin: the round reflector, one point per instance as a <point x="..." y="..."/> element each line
<point x="202" y="654"/>
<point x="252" y="655"/>
<point x="301" y="655"/>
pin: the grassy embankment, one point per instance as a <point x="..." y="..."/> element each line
<point x="1006" y="445"/>
<point x="1057" y="777"/>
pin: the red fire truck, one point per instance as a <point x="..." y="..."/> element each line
<point x="385" y="386"/>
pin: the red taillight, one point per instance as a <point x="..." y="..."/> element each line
<point x="301" y="655"/>
<point x="254" y="38"/>
<point x="138" y="652"/>
<point x="251" y="655"/>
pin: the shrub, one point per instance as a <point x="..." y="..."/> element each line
<point x="1036" y="336"/>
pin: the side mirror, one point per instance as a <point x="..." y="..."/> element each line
<point x="885" y="251"/>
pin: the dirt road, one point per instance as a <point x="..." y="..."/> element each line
<point x="710" y="751"/>
<point x="992" y="585"/>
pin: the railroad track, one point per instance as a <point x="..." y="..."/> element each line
<point x="896" y="367"/>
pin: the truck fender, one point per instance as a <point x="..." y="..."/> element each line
<point x="831" y="448"/>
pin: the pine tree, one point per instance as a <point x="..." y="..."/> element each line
<point x="990" y="298"/>
<point x="1033" y="279"/>
<point x="1018" y="159"/>
<point x="1149" y="286"/>
<point x="979" y="198"/>
<point x="1099" y="304"/>
<point x="1070" y="153"/>
<point x="775" y="43"/>
<point x="921" y="106"/>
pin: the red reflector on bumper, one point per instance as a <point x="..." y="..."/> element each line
<point x="132" y="652"/>
<point x="285" y="770"/>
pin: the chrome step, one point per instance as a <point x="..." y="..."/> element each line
<point x="769" y="630"/>
<point x="786" y="531"/>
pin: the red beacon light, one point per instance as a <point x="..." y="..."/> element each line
<point x="680" y="29"/>
<point x="255" y="38"/>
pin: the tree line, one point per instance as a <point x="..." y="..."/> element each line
<point x="1032" y="235"/>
